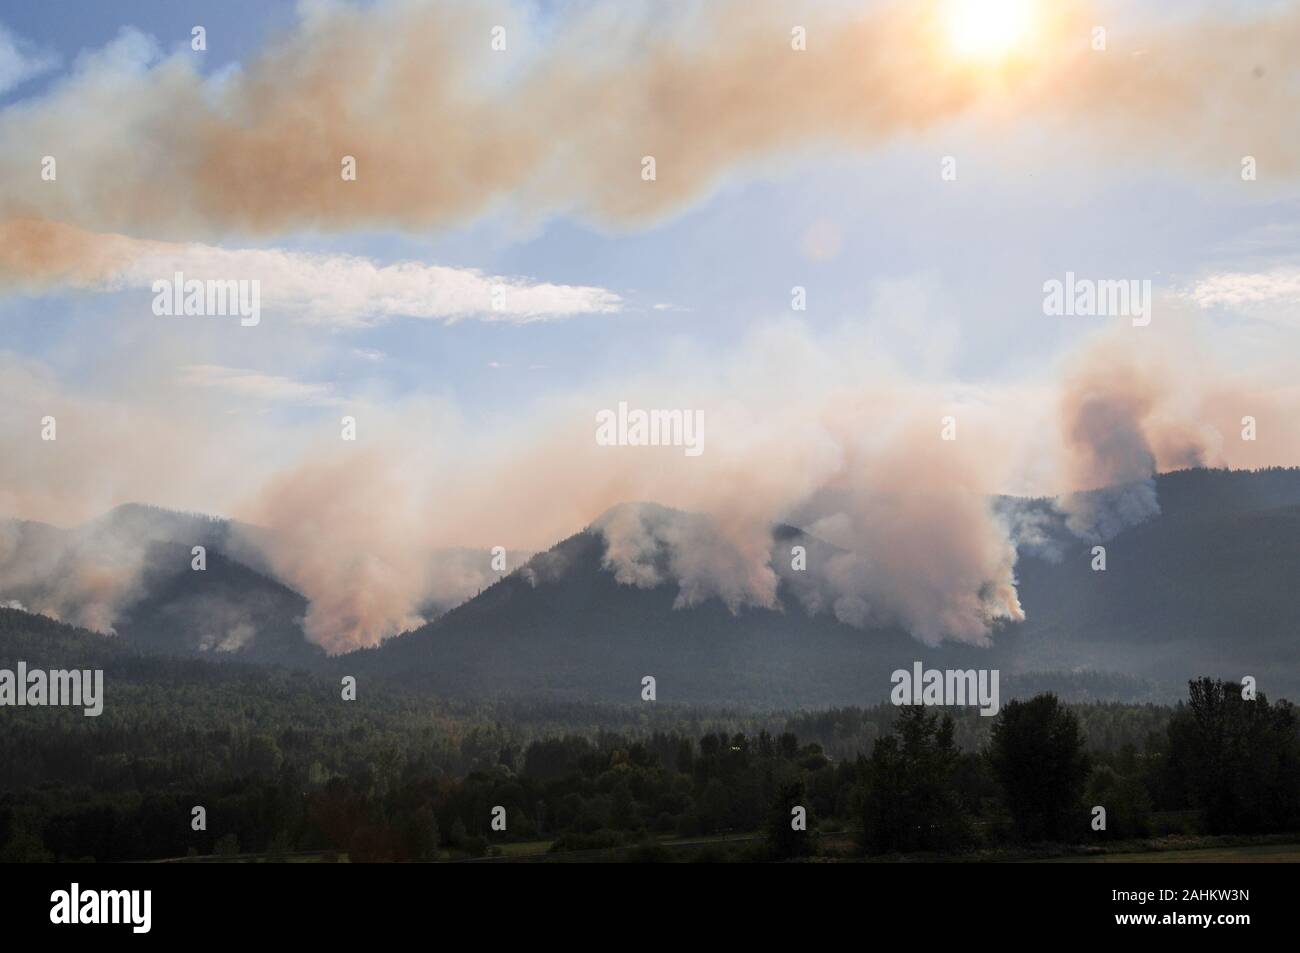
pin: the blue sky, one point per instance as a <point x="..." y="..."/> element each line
<point x="978" y="248"/>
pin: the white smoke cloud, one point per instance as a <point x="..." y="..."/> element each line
<point x="812" y="429"/>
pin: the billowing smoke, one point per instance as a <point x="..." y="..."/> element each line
<point x="443" y="127"/>
<point x="86" y="581"/>
<point x="355" y="533"/>
<point x="1104" y="413"/>
<point x="913" y="540"/>
<point x="907" y="527"/>
<point x="921" y="547"/>
<point x="88" y="575"/>
<point x="1126" y="413"/>
<point x="647" y="545"/>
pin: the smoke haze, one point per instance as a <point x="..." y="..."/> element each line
<point x="443" y="128"/>
<point x="845" y="448"/>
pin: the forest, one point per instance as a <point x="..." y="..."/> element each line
<point x="283" y="768"/>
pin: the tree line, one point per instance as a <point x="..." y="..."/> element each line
<point x="381" y="787"/>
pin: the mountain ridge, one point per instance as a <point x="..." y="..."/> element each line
<point x="1202" y="586"/>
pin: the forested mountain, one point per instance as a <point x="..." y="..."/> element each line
<point x="1208" y="585"/>
<point x="130" y="573"/>
<point x="564" y="627"/>
<point x="1204" y="587"/>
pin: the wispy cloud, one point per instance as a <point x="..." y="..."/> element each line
<point x="1273" y="294"/>
<point x="352" y="291"/>
<point x="21" y="60"/>
<point x="257" y="386"/>
<point x="342" y="291"/>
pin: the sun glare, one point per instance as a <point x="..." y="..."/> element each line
<point x="988" y="29"/>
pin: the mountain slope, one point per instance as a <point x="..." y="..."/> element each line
<point x="565" y="627"/>
<point x="1200" y="589"/>
<point x="130" y="572"/>
<point x="1206" y="587"/>
<point x="1197" y="589"/>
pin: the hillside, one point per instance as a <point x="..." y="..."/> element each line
<point x="1200" y="588"/>
<point x="1204" y="588"/>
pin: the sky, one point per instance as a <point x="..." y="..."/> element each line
<point x="827" y="169"/>
<point x="850" y="225"/>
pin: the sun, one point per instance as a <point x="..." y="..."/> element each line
<point x="988" y="30"/>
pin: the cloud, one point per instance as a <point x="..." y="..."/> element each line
<point x="21" y="61"/>
<point x="345" y="291"/>
<point x="351" y="291"/>
<point x="257" y="386"/>
<point x="1273" y="294"/>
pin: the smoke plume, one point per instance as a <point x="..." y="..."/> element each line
<point x="845" y="448"/>
<point x="443" y="127"/>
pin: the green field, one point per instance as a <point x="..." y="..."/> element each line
<point x="840" y="846"/>
<point x="1256" y="854"/>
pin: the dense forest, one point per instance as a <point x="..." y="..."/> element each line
<point x="283" y="766"/>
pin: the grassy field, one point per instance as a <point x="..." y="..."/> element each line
<point x="1254" y="854"/>
<point x="841" y="846"/>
